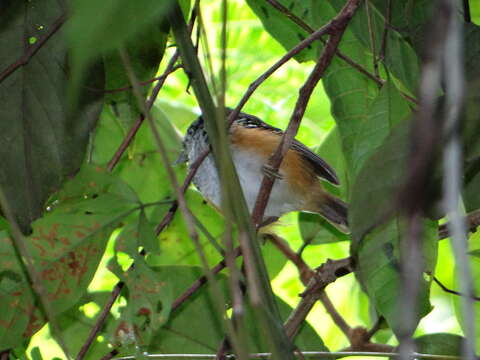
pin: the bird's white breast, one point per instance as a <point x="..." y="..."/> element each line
<point x="249" y="168"/>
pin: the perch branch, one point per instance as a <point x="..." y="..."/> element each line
<point x="336" y="27"/>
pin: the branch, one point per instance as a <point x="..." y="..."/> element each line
<point x="324" y="275"/>
<point x="142" y="83"/>
<point x="450" y="291"/>
<point x="100" y="320"/>
<point x="33" y="49"/>
<point x="338" y="53"/>
<point x="472" y="222"/>
<point x="310" y="30"/>
<point x="151" y="100"/>
<point x="336" y="28"/>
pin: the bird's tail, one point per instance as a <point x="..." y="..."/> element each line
<point x="335" y="211"/>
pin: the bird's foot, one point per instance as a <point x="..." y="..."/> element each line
<point x="270" y="172"/>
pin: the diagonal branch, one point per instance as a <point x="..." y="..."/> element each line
<point x="336" y="28"/>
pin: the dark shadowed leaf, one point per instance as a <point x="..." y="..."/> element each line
<point x="97" y="27"/>
<point x="145" y="51"/>
<point x="42" y="140"/>
<point x="376" y="235"/>
<point x="440" y="344"/>
<point x="378" y="270"/>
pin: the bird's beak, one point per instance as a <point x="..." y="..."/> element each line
<point x="182" y="158"/>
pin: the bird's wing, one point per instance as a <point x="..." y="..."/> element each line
<point x="320" y="166"/>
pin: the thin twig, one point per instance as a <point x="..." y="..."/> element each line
<point x="202" y="280"/>
<point x="33" y="49"/>
<point x="450" y="291"/>
<point x="335" y="315"/>
<point x="324" y="275"/>
<point x="310" y="30"/>
<point x="167" y="219"/>
<point x="336" y="28"/>
<point x="142" y="83"/>
<point x="100" y="320"/>
<point x="134" y="129"/>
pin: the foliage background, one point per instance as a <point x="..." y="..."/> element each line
<point x="273" y="102"/>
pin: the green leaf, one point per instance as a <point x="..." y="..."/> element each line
<point x="136" y="235"/>
<point x="400" y="59"/>
<point x="77" y="322"/>
<point x="285" y="31"/>
<point x="42" y="138"/>
<point x="440" y="344"/>
<point x="116" y="21"/>
<point x="378" y="270"/>
<point x="176" y="246"/>
<point x="306" y="340"/>
<point x="141" y="166"/>
<point x="65" y="247"/>
<point x="149" y="301"/>
<point x="385" y="112"/>
<point x="145" y="51"/>
<point x="197" y="326"/>
<point x="373" y="193"/>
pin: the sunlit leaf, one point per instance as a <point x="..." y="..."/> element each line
<point x="65" y="249"/>
<point x="148" y="302"/>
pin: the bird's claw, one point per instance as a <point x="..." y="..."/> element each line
<point x="270" y="172"/>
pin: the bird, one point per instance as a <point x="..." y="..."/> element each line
<point x="298" y="185"/>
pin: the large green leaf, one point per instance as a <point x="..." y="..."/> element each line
<point x="145" y="51"/>
<point x="149" y="298"/>
<point x="65" y="248"/>
<point x="378" y="266"/>
<point x="141" y="166"/>
<point x="42" y="138"/>
<point x="98" y="27"/>
<point x="377" y="230"/>
<point x="440" y="344"/>
<point x="400" y="59"/>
